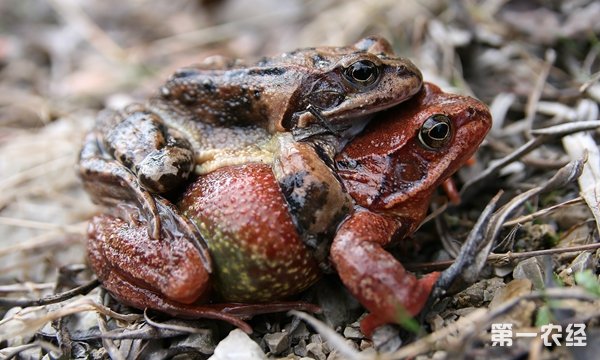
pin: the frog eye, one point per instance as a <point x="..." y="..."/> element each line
<point x="435" y="132"/>
<point x="363" y="73"/>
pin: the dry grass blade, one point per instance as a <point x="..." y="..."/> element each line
<point x="147" y="332"/>
<point x="577" y="146"/>
<point x="543" y="212"/>
<point x="542" y="136"/>
<point x="209" y="35"/>
<point x="565" y="175"/>
<point x="44" y="240"/>
<point x="475" y="251"/>
<point x="593" y="79"/>
<point x="12" y="352"/>
<point x="109" y="344"/>
<point x="26" y="287"/>
<point x="172" y="327"/>
<point x="52" y="299"/>
<point x="468" y="252"/>
<point x="31" y="319"/>
<point x="534" y="98"/>
<point x="73" y="14"/>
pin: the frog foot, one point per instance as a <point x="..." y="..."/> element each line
<point x="374" y="276"/>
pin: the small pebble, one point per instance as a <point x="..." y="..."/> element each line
<point x="365" y="344"/>
<point x="300" y="348"/>
<point x="532" y="269"/>
<point x="315" y="351"/>
<point x="299" y="332"/>
<point x="316" y="338"/>
<point x="386" y="338"/>
<point x="352" y="333"/>
<point x="352" y="344"/>
<point x="237" y="345"/>
<point x="277" y="342"/>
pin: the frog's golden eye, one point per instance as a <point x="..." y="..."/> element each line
<point x="363" y="73"/>
<point x="435" y="132"/>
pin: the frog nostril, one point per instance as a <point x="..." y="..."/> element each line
<point x="188" y="97"/>
<point x="208" y="86"/>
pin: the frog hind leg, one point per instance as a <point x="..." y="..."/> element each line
<point x="169" y="274"/>
<point x="176" y="264"/>
<point x="374" y="276"/>
<point x="141" y="298"/>
<point x="232" y="313"/>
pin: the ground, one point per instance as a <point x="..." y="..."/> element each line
<point x="534" y="62"/>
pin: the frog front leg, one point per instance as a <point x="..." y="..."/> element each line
<point x="160" y="156"/>
<point x="373" y="275"/>
<point x="128" y="156"/>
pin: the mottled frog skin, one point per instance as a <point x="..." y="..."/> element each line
<point x="226" y="112"/>
<point x="239" y="250"/>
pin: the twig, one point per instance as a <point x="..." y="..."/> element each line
<point x="51" y="299"/>
<point x="26" y="287"/>
<point x="505" y="257"/>
<point x="175" y="328"/>
<point x="542" y="136"/>
<point x="543" y="212"/>
<point x="38" y="343"/>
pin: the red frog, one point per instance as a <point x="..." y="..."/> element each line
<point x="254" y="233"/>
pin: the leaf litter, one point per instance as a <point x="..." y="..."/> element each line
<point x="536" y="63"/>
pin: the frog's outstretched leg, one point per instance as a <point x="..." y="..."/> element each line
<point x="374" y="276"/>
<point x="177" y="264"/>
<point x="233" y="313"/>
<point x="138" y="297"/>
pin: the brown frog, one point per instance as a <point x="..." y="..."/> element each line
<point x="249" y="247"/>
<point x="225" y="113"/>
